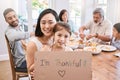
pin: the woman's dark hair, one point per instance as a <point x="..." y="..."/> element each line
<point x="38" y="31"/>
<point x="117" y="27"/>
<point x="61" y="13"/>
<point x="62" y="25"/>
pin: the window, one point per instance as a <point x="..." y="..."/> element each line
<point x="37" y="7"/>
<point x="28" y="11"/>
<point x="102" y="1"/>
<point x="102" y="4"/>
<point x="75" y="11"/>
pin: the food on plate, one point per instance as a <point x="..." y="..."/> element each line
<point x="107" y="47"/>
<point x="81" y="41"/>
<point x="94" y="50"/>
<point x="72" y="38"/>
<point x="92" y="44"/>
<point x="73" y="44"/>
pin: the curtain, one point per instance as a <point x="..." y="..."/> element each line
<point x="113" y="12"/>
<point x="86" y="11"/>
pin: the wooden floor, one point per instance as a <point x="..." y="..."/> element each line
<point x="5" y="70"/>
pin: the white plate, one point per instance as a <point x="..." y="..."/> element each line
<point x="73" y="46"/>
<point x="94" y="50"/>
<point x="107" y="48"/>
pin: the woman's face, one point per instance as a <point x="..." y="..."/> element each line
<point x="47" y="23"/>
<point x="65" y="17"/>
<point x="115" y="33"/>
<point x="61" y="38"/>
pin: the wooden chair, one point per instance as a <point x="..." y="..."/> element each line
<point x="16" y="73"/>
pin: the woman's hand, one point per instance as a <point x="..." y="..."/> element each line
<point x="31" y="71"/>
<point x="32" y="75"/>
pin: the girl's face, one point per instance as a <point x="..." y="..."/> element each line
<point x="61" y="38"/>
<point x="65" y="17"/>
<point x="47" y="23"/>
<point x="115" y="33"/>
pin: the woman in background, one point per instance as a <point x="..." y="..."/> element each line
<point x="64" y="17"/>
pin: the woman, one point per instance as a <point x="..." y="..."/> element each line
<point x="43" y="35"/>
<point x="64" y="17"/>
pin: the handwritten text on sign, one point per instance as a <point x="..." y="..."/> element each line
<point x="65" y="65"/>
<point x="62" y="63"/>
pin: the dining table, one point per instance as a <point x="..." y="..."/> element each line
<point x="106" y="66"/>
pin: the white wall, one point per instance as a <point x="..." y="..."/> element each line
<point x="3" y="25"/>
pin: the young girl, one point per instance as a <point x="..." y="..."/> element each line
<point x="116" y="36"/>
<point x="62" y="33"/>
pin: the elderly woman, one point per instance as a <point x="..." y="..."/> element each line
<point x="64" y="17"/>
<point x="43" y="35"/>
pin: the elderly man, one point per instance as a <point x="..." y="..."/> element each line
<point x="100" y="29"/>
<point x="15" y="36"/>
